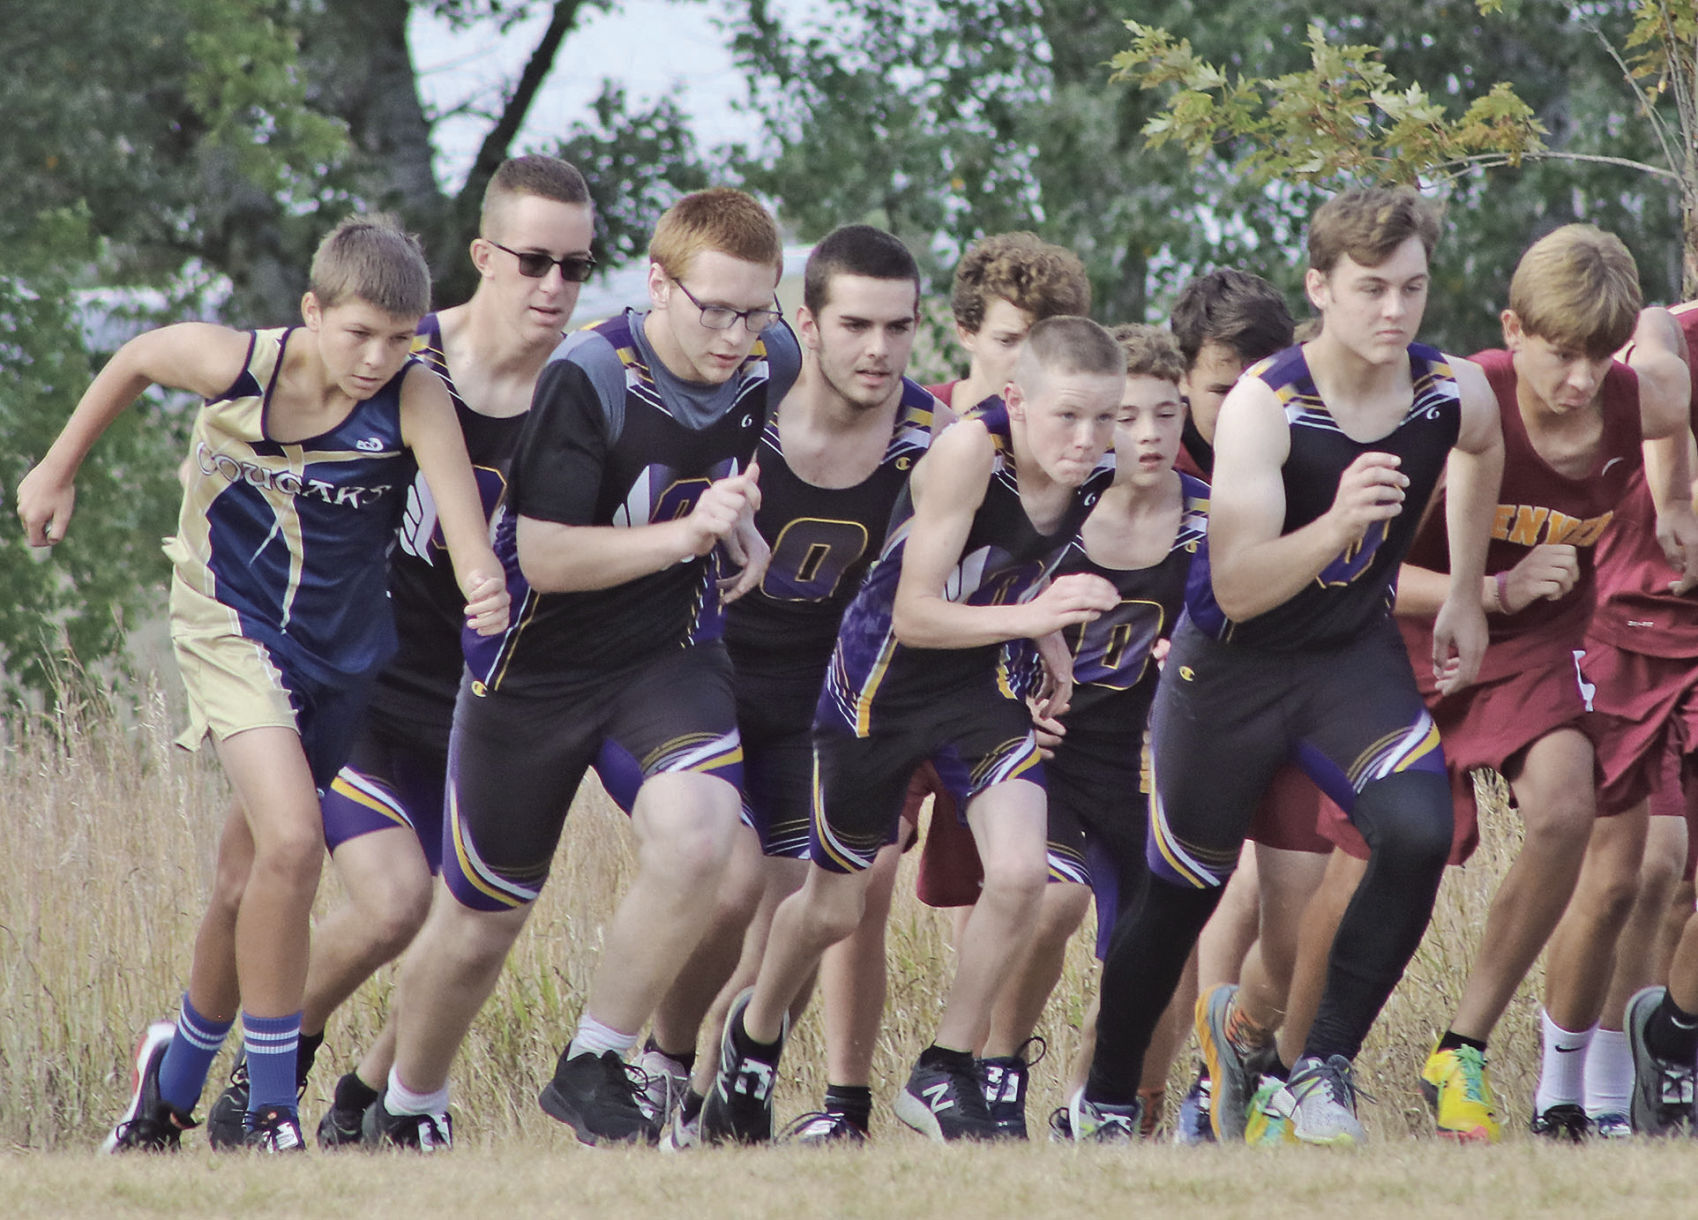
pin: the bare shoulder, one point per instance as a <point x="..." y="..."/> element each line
<point x="202" y="357"/>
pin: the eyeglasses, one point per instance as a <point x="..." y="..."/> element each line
<point x="723" y="317"/>
<point x="574" y="268"/>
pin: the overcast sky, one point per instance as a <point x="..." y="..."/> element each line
<point x="654" y="47"/>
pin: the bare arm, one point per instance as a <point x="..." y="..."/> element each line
<point x="193" y="356"/>
<point x="948" y="486"/>
<point x="1473" y="475"/>
<point x="1658" y="356"/>
<point x="433" y="434"/>
<point x="1253" y="565"/>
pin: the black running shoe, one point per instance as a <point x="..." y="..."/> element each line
<point x="417" y="1132"/>
<point x="1663" y="1091"/>
<point x="342" y="1124"/>
<point x="819" y="1127"/>
<point x="151" y="1124"/>
<point x="738" y="1108"/>
<point x="946" y="1104"/>
<point x="600" y="1098"/>
<point x="1564" y="1122"/>
<point x="275" y="1130"/>
<point x="226" y="1122"/>
<point x="1003" y="1079"/>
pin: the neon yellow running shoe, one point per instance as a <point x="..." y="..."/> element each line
<point x="1268" y="1125"/>
<point x="1458" y="1086"/>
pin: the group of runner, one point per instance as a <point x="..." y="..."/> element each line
<point x="1208" y="624"/>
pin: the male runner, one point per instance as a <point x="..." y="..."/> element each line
<point x="833" y="458"/>
<point x="383" y="811"/>
<point x="1325" y="456"/>
<point x="918" y="673"/>
<point x="630" y="472"/>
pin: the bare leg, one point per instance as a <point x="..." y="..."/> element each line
<point x="1231" y="930"/>
<point x="1636" y="959"/>
<point x="853" y="981"/>
<point x="389" y="887"/>
<point x="213" y="988"/>
<point x="1032" y="978"/>
<point x="1289" y="880"/>
<point x="1582" y="956"/>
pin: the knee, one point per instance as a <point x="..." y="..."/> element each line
<point x="395" y="920"/>
<point x="1407" y="829"/>
<point x="691" y="857"/>
<point x="293" y="856"/>
<point x="1063" y="910"/>
<point x="832" y="913"/>
<point x="1015" y="883"/>
<point x="1561" y="822"/>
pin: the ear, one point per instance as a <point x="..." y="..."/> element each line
<point x="808" y="328"/>
<point x="1014" y="398"/>
<point x="483" y="257"/>
<point x="1315" y="287"/>
<point x="311" y="313"/>
<point x="1513" y="334"/>
<point x="660" y="286"/>
<point x="966" y="338"/>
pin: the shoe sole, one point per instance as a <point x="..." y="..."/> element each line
<point x="155" y="1035"/>
<point x="1227" y="1100"/>
<point x="1642" y="1113"/>
<point x="918" y="1115"/>
<point x="555" y="1105"/>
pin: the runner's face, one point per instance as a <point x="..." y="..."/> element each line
<point x="1373" y="311"/>
<point x="1206" y="382"/>
<point x="1068" y="421"/>
<point x="1146" y="432"/>
<point x="862" y="337"/>
<point x="995" y="345"/>
<point x="361" y="346"/>
<point x="687" y="347"/>
<point x="1556" y="377"/>
<point x="539" y="308"/>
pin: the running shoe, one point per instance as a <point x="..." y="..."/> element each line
<point x="1458" y="1086"/>
<point x="1195" y="1125"/>
<point x="275" y="1130"/>
<point x="738" y="1108"/>
<point x="1090" y="1122"/>
<point x="1662" y="1090"/>
<point x="667" y="1080"/>
<point x="946" y="1104"/>
<point x="598" y="1097"/>
<point x="1004" y="1079"/>
<point x="418" y="1132"/>
<point x="151" y="1124"/>
<point x="1320" y="1101"/>
<point x="1566" y="1121"/>
<point x="1267" y="1125"/>
<point x="1230" y="1081"/>
<point x="823" y="1127"/>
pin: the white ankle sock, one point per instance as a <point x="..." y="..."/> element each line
<point x="399" y="1099"/>
<point x="594" y="1038"/>
<point x="1609" y="1073"/>
<point x="1562" y="1074"/>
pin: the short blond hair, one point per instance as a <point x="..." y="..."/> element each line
<point x="1368" y="225"/>
<point x="1150" y="351"/>
<point x="544" y="177"/>
<point x="721" y="219"/>
<point x="1578" y="287"/>
<point x="372" y="259"/>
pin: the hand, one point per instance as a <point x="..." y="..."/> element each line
<point x="45" y="504"/>
<point x="487" y="603"/>
<point x="721" y="507"/>
<point x="1677" y="534"/>
<point x="747" y="551"/>
<point x="1075" y="598"/>
<point x="1547" y="571"/>
<point x="1159" y="651"/>
<point x="1459" y="644"/>
<point x="1047" y="728"/>
<point x="1369" y="490"/>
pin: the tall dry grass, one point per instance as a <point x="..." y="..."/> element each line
<point x="108" y="837"/>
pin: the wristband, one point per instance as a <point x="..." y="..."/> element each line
<point x="1500" y="583"/>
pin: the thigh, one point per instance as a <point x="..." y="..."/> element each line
<point x="774" y="719"/>
<point x="387" y="783"/>
<point x="677" y="715"/>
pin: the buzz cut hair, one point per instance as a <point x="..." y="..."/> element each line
<point x="723" y="219"/>
<point x="856" y="250"/>
<point x="1578" y="288"/>
<point x="1369" y="224"/>
<point x="1235" y="309"/>
<point x="1150" y="351"/>
<point x="544" y="177"/>
<point x="1034" y="276"/>
<point x="372" y="259"/>
<point x="1066" y="346"/>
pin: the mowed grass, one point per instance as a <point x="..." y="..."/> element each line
<point x="108" y="839"/>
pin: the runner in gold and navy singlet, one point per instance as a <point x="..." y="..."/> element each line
<point x="1288" y="651"/>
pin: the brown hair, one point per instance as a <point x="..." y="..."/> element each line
<point x="1041" y="279"/>
<point x="855" y="250"/>
<point x="1066" y="346"/>
<point x="721" y="219"/>
<point x="1368" y="225"/>
<point x="544" y="177"/>
<point x="1241" y="311"/>
<point x="1150" y="351"/>
<point x="1578" y="287"/>
<point x="372" y="259"/>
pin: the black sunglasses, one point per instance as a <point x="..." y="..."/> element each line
<point x="574" y="268"/>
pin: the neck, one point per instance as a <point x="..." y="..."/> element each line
<point x="829" y="411"/>
<point x="971" y="390"/>
<point x="1349" y="373"/>
<point x="499" y="348"/>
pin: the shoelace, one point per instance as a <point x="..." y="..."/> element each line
<point x="837" y="1124"/>
<point x="1340" y="1084"/>
<point x="1675" y="1083"/>
<point x="1473" y="1065"/>
<point x="1043" y="1049"/>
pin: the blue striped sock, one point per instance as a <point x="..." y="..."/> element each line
<point x="182" y="1072"/>
<point x="271" y="1043"/>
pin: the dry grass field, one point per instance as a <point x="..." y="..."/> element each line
<point x="107" y="838"/>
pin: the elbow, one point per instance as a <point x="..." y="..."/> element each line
<point x="1234" y="602"/>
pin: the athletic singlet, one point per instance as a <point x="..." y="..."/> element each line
<point x="419" y="685"/>
<point x="823" y="540"/>
<point x="1356" y="589"/>
<point x="1636" y="611"/>
<point x="585" y="461"/>
<point x="1005" y="560"/>
<point x="291" y="536"/>
<point x="1537" y="505"/>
